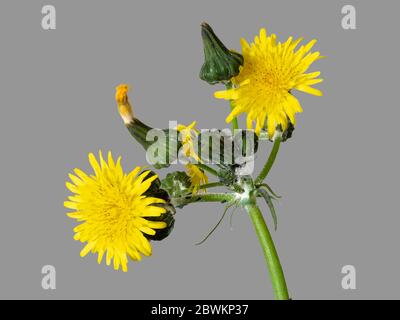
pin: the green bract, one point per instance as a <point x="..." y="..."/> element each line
<point x="161" y="234"/>
<point x="156" y="191"/>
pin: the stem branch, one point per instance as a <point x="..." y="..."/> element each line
<point x="271" y="159"/>
<point x="207" y="197"/>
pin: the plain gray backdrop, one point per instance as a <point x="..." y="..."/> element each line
<point x="338" y="175"/>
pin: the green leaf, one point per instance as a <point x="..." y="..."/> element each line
<point x="264" y="185"/>
<point x="268" y="200"/>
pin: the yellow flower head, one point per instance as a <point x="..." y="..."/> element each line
<point x="124" y="106"/>
<point x="186" y="133"/>
<point x="113" y="210"/>
<point x="197" y="177"/>
<point x="263" y="87"/>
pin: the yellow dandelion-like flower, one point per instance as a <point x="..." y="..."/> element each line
<point x="113" y="208"/>
<point x="186" y="133"/>
<point x="197" y="177"/>
<point x="263" y="87"/>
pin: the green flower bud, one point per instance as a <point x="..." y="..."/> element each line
<point x="138" y="130"/>
<point x="177" y="184"/>
<point x="220" y="63"/>
<point x="163" y="143"/>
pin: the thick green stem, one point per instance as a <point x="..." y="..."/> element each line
<point x="270" y="254"/>
<point x="206" y="197"/>
<point x="271" y="159"/>
<point x="235" y="124"/>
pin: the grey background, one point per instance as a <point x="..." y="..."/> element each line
<point x="339" y="175"/>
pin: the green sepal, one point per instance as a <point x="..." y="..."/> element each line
<point x="287" y="134"/>
<point x="161" y="234"/>
<point x="155" y="190"/>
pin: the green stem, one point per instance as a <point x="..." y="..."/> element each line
<point x="271" y="159"/>
<point x="211" y="185"/>
<point x="207" y="197"/>
<point x="270" y="254"/>
<point x="207" y="169"/>
<point x="235" y="124"/>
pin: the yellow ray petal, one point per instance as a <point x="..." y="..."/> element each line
<point x="75" y="180"/>
<point x="87" y="249"/>
<point x="95" y="165"/>
<point x="310" y="90"/>
<point x="71" y="187"/>
<point x="294" y="103"/>
<point x="226" y="94"/>
<point x="70" y="205"/>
